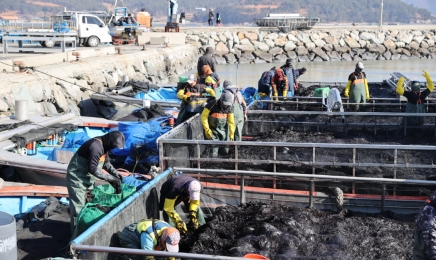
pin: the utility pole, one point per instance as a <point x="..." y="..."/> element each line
<point x="381" y="14"/>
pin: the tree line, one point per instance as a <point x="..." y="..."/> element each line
<point x="357" y="11"/>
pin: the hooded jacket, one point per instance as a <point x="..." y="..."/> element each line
<point x="426" y="230"/>
<point x="95" y="148"/>
<point x="206" y="59"/>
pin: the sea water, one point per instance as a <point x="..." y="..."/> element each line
<point x="245" y="75"/>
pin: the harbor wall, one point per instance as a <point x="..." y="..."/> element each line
<point x="60" y="87"/>
<point x="260" y="45"/>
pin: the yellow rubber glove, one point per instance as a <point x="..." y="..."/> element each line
<point x="169" y="209"/>
<point x="430" y="84"/>
<point x="205" y="122"/>
<point x="210" y="91"/>
<point x="262" y="95"/>
<point x="275" y="96"/>
<point x="347" y="89"/>
<point x="400" y="89"/>
<point x="367" y="89"/>
<point x="181" y="94"/>
<point x="285" y="94"/>
<point x="193" y="223"/>
<point x="193" y="205"/>
<point x="232" y="126"/>
<point x="148" y="257"/>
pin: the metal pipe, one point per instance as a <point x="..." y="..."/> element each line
<point x="21" y="111"/>
<point x="122" y="90"/>
<point x="383" y="114"/>
<point x="130" y="251"/>
<point x="307" y="176"/>
<point x="242" y="189"/>
<point x="301" y="145"/>
<point x="131" y="100"/>
<point x="36" y="125"/>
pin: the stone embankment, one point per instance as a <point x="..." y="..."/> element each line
<point x="257" y="46"/>
<point x="60" y="87"/>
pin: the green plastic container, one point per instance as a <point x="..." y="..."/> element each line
<point x="105" y="194"/>
<point x="322" y="92"/>
<point x="183" y="79"/>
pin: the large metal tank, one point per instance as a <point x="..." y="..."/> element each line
<point x="8" y="237"/>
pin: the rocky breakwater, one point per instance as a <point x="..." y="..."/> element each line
<point x="60" y="87"/>
<point x="256" y="46"/>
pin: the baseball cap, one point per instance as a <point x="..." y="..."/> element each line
<point x="192" y="78"/>
<point x="194" y="190"/>
<point x="227" y="98"/>
<point x="227" y="83"/>
<point x="172" y="239"/>
<point x="360" y="65"/>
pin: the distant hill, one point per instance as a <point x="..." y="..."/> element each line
<point x="428" y="4"/>
<point x="340" y="11"/>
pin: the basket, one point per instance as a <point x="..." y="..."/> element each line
<point x="183" y="79"/>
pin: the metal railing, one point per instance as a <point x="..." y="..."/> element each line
<point x="308" y="178"/>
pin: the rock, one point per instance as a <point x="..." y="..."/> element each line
<point x="3" y="106"/>
<point x="230" y="58"/>
<point x="263" y="55"/>
<point x="387" y="55"/>
<point x="251" y="36"/>
<point x="377" y="41"/>
<point x="194" y="38"/>
<point x="430" y="42"/>
<point x="414" y="45"/>
<point x="261" y="45"/>
<point x="221" y="49"/>
<point x="406" y="52"/>
<point x="235" y="38"/>
<point x="341" y="49"/>
<point x="327" y="47"/>
<point x="334" y="56"/>
<point x="280" y="42"/>
<point x="423" y="51"/>
<point x="342" y="42"/>
<point x="72" y="91"/>
<point x="396" y="56"/>
<point x="317" y="59"/>
<point x="424" y="45"/>
<point x="245" y="41"/>
<point x="270" y="43"/>
<point x="355" y="36"/>
<point x="303" y="37"/>
<point x="222" y="38"/>
<point x="245" y="47"/>
<point x="379" y="49"/>
<point x="311" y="56"/>
<point x="310" y="46"/>
<point x="49" y="108"/>
<point x="292" y="55"/>
<point x="262" y="35"/>
<point x="230" y="45"/>
<point x="248" y="56"/>
<point x="59" y="97"/>
<point x="319" y="43"/>
<point x="320" y="53"/>
<point x="380" y="57"/>
<point x="292" y="38"/>
<point x="363" y="43"/>
<point x="346" y="57"/>
<point x="358" y="51"/>
<point x="215" y="37"/>
<point x="352" y="43"/>
<point x="211" y="43"/>
<point x="280" y="58"/>
<point x="404" y="37"/>
<point x="276" y="51"/>
<point x="314" y="37"/>
<point x="220" y="60"/>
<point x="389" y="44"/>
<point x="241" y="36"/>
<point x="228" y="35"/>
<point x="404" y="57"/>
<point x="367" y="56"/>
<point x="272" y="36"/>
<point x="400" y="44"/>
<point x="72" y="107"/>
<point x="419" y="39"/>
<point x="331" y="40"/>
<point x="289" y="46"/>
<point x="303" y="58"/>
<point x="357" y="58"/>
<point x="243" y="60"/>
<point x="300" y="50"/>
<point x="367" y="36"/>
<point x="257" y="61"/>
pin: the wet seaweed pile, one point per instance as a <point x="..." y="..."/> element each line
<point x="44" y="231"/>
<point x="282" y="233"/>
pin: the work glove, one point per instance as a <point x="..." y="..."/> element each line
<point x="400" y="88"/>
<point x="148" y="257"/>
<point x="245" y="118"/>
<point x="426" y="75"/>
<point x="112" y="171"/>
<point x="367" y="97"/>
<point x="285" y="94"/>
<point x="208" y="134"/>
<point x="232" y="139"/>
<point x="117" y="175"/>
<point x="116" y="183"/>
<point x="275" y="96"/>
<point x="181" y="226"/>
<point x="193" y="223"/>
<point x="346" y="93"/>
<point x="171" y="258"/>
<point x="302" y="71"/>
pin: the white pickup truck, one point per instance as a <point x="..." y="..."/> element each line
<point x="87" y="28"/>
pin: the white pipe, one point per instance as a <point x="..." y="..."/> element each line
<point x="21" y="111"/>
<point x="36" y="125"/>
<point x="121" y="90"/>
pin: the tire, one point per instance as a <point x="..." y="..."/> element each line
<point x="93" y="41"/>
<point x="42" y="44"/>
<point x="49" y="44"/>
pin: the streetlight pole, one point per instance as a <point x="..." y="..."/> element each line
<point x="381" y="14"/>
